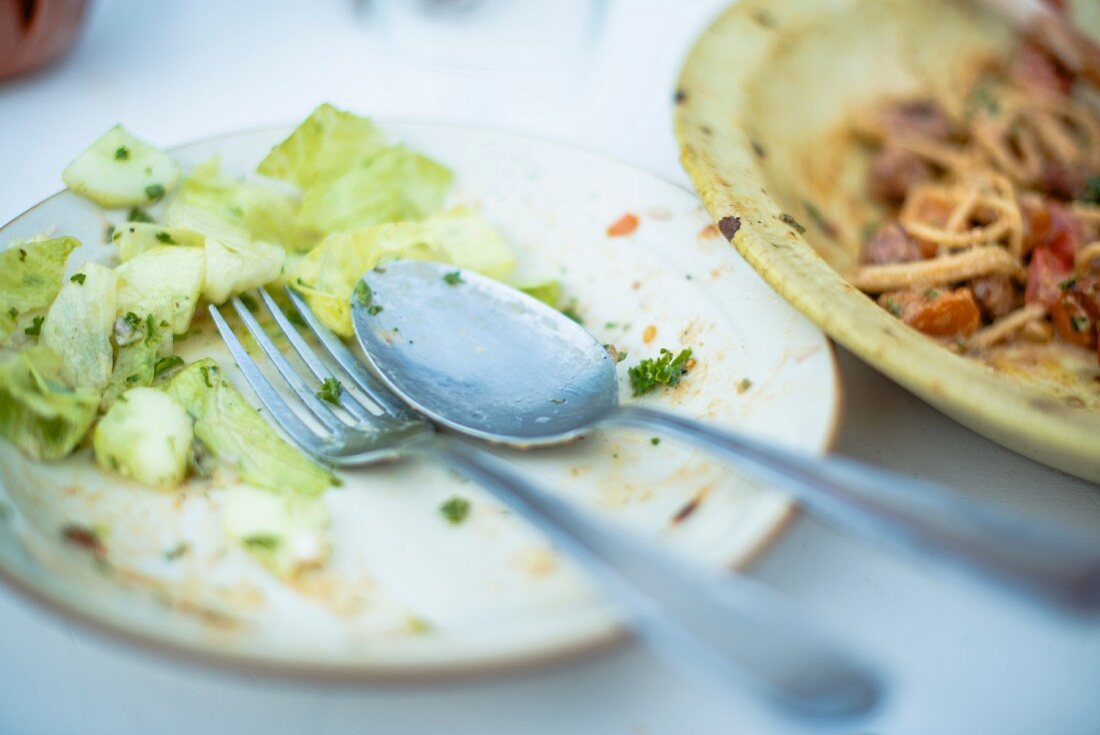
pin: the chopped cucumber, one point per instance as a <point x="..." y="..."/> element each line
<point x="146" y="436"/>
<point x="164" y="282"/>
<point x="119" y="170"/>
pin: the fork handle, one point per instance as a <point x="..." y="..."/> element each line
<point x="728" y="627"/>
<point x="915" y="515"/>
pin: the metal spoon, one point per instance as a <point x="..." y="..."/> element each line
<point x="489" y="361"/>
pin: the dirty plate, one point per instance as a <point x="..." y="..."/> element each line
<point x="766" y="102"/>
<point x="408" y="594"/>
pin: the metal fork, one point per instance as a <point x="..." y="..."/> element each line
<point x="727" y="627"/>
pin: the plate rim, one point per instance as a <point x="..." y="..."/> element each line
<point x="531" y="659"/>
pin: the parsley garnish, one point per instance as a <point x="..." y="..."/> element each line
<point x="330" y="391"/>
<point x="792" y="222"/>
<point x="374" y="309"/>
<point x="165" y="238"/>
<point x="206" y="370"/>
<point x="122" y="153"/>
<point x="36" y="327"/>
<point x="1067" y="284"/>
<point x="13" y="313"/>
<point x="363" y="294"/>
<point x="177" y="551"/>
<point x="22" y="255"/>
<point x="1079" y="323"/>
<point x="131" y="379"/>
<point x="155" y="192"/>
<point x="665" y="369"/>
<point x="78" y="278"/>
<point x="743" y="385"/>
<point x="455" y="509"/>
<point x="931" y="293"/>
<point x="132" y="320"/>
<point x="164" y="364"/>
<point x="262" y="542"/>
<point x="139" y="215"/>
<point x="1092" y="191"/>
<point x="152" y="332"/>
<point x="655" y="440"/>
<point x="453" y="278"/>
<point x="893" y="307"/>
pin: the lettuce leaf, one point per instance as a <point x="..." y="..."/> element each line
<point x="31" y="274"/>
<point x="326" y="145"/>
<point x="393" y="186"/>
<point x="39" y="413"/>
<point x="234" y="262"/>
<point x="119" y="170"/>
<point x="134" y="238"/>
<point x="239" y="436"/>
<point x="164" y="282"/>
<point x="327" y="275"/>
<point x="78" y="327"/>
<point x="265" y="212"/>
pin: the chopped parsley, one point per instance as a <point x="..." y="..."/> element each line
<point x="665" y="369"/>
<point x="139" y="215"/>
<point x="363" y="295"/>
<point x="931" y="293"/>
<point x="655" y="440"/>
<point x="155" y="192"/>
<point x="374" y="309"/>
<point x="267" y="542"/>
<point x="743" y="385"/>
<point x="165" y="238"/>
<point x="122" y="153"/>
<point x="330" y="390"/>
<point x="453" y="278"/>
<point x="22" y="255"/>
<point x="78" y="279"/>
<point x="206" y="370"/>
<point x="13" y="313"/>
<point x="570" y="311"/>
<point x="455" y="509"/>
<point x="132" y="320"/>
<point x="177" y="551"/>
<point x="152" y="331"/>
<point x="36" y="327"/>
<point x="1092" y="191"/>
<point x="893" y="307"/>
<point x="165" y="364"/>
<point x="132" y="379"/>
<point x="1079" y="323"/>
<point x="1067" y="284"/>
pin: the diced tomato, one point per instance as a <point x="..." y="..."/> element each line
<point x="1044" y="274"/>
<point x="936" y="312"/>
<point x="623" y="226"/>
<point x="1072" y="321"/>
<point x="1064" y="237"/>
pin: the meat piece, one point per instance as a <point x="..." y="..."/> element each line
<point x="917" y="118"/>
<point x="894" y="171"/>
<point x="1063" y="181"/>
<point x="996" y="295"/>
<point x="892" y="244"/>
<point x="935" y="312"/>
<point x="1036" y="70"/>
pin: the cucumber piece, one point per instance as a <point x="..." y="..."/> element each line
<point x="286" y="533"/>
<point x="119" y="170"/>
<point x="145" y="436"/>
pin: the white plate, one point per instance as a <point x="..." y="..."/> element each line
<point x="406" y="594"/>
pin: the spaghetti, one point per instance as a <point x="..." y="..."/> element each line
<point x="994" y="233"/>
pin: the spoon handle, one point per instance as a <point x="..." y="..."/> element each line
<point x="725" y="626"/>
<point x="911" y="514"/>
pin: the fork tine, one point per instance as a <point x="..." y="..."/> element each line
<point x="297" y="429"/>
<point x="312" y="361"/>
<point x="370" y="385"/>
<point x="316" y="406"/>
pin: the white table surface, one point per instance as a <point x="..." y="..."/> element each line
<point x="962" y="659"/>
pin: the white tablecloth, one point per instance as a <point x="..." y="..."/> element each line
<point x="962" y="659"/>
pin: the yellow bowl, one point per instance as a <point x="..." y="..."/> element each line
<point x="765" y="106"/>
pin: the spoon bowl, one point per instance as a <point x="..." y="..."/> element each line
<point x="515" y="371"/>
